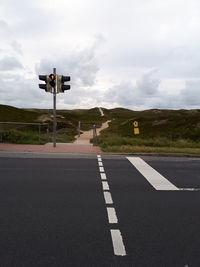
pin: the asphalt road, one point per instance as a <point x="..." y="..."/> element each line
<point x="99" y="211"/>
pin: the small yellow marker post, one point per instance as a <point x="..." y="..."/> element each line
<point x="136" y="129"/>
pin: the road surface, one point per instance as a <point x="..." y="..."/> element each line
<point x="99" y="210"/>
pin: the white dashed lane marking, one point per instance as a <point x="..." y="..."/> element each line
<point x="103" y="176"/>
<point x="105" y="186"/>
<point x="112" y="217"/>
<point x="108" y="197"/>
<point x="101" y="169"/>
<point x="118" y="245"/>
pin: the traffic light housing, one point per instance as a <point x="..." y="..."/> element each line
<point x="61" y="87"/>
<point x="50" y="82"/>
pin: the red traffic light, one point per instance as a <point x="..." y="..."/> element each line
<point x="52" y="77"/>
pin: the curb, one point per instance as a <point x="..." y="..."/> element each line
<point x="155" y="154"/>
<point x="150" y="154"/>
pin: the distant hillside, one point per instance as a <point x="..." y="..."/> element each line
<point x="67" y="123"/>
<point x="8" y="113"/>
<point x="172" y="124"/>
<point x="153" y="124"/>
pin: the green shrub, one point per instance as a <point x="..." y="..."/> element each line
<point x="18" y="137"/>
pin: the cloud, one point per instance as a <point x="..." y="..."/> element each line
<point x="8" y="63"/>
<point x="81" y="65"/>
<point x="17" y="47"/>
<point x="17" y="90"/>
<point x="147" y="85"/>
<point x="189" y="94"/>
<point x="116" y="67"/>
<point x="146" y="93"/>
<point x="130" y="95"/>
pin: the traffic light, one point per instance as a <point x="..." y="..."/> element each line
<point x="50" y="82"/>
<point x="60" y="83"/>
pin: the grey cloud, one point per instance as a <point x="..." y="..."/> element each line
<point x="146" y="94"/>
<point x="190" y="94"/>
<point x="127" y="94"/>
<point x="177" y="61"/>
<point x="8" y="63"/>
<point x="4" y="30"/>
<point x="30" y="18"/>
<point x="3" y="25"/>
<point x="17" y="47"/>
<point x="148" y="85"/>
<point x="22" y="92"/>
<point x="81" y="65"/>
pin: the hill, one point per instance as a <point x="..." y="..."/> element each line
<point x="158" y="127"/>
<point x="171" y="124"/>
<point x="67" y="123"/>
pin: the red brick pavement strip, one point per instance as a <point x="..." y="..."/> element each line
<point x="62" y="148"/>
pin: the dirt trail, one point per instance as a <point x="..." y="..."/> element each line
<point x="87" y="135"/>
<point x="101" y="112"/>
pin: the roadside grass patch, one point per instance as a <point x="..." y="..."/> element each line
<point x="145" y="149"/>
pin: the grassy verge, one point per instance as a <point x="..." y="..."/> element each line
<point x="145" y="149"/>
<point x="159" y="145"/>
<point x="18" y="137"/>
<point x="32" y="137"/>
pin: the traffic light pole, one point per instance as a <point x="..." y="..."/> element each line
<point x="54" y="84"/>
<point x="54" y="110"/>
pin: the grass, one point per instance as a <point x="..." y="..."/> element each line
<point x="28" y="137"/>
<point x="67" y="123"/>
<point x="172" y="131"/>
<point x="160" y="130"/>
<point x="145" y="149"/>
<point x="8" y="113"/>
<point x="134" y="145"/>
<point x="156" y="142"/>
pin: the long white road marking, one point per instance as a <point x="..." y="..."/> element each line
<point x="118" y="244"/>
<point x="108" y="197"/>
<point x="158" y="181"/>
<point x="105" y="186"/>
<point x="103" y="176"/>
<point x="112" y="217"/>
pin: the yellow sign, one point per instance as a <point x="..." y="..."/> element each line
<point x="136" y="131"/>
<point x="135" y="123"/>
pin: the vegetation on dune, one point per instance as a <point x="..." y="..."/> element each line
<point x="67" y="123"/>
<point x="160" y="130"/>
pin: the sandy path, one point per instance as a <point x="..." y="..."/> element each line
<point x="101" y="112"/>
<point x="87" y="135"/>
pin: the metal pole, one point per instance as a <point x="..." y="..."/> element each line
<point x="54" y="110"/>
<point x="48" y="132"/>
<point x="39" y="132"/>
<point x="79" y="128"/>
<point x="94" y="135"/>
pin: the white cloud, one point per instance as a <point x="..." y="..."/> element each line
<point x="8" y="63"/>
<point x="109" y="48"/>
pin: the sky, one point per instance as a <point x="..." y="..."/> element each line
<point x="136" y="54"/>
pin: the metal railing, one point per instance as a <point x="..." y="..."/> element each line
<point x="26" y="123"/>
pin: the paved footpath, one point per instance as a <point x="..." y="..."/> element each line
<point x="81" y="145"/>
<point x="60" y="148"/>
